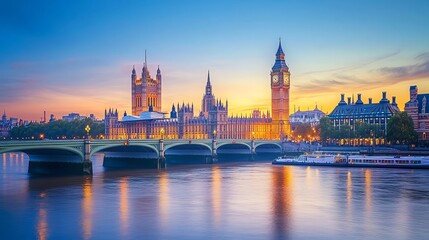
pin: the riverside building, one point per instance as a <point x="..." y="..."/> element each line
<point x="418" y="109"/>
<point x="351" y="113"/>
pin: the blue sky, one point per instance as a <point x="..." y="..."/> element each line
<point x="77" y="56"/>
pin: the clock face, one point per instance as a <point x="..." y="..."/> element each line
<point x="275" y="79"/>
<point x="286" y="79"/>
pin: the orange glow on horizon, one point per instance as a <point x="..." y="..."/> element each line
<point x="242" y="100"/>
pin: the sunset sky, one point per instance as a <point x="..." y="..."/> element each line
<point x="77" y="56"/>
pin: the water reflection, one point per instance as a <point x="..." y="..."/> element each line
<point x="4" y="162"/>
<point x="349" y="190"/>
<point x="163" y="198"/>
<point x="42" y="223"/>
<point x="87" y="208"/>
<point x="216" y="194"/>
<point x="368" y="196"/>
<point x="123" y="205"/>
<point x="282" y="183"/>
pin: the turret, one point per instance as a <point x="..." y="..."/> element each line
<point x="4" y="118"/>
<point x="208" y="85"/>
<point x="173" y="113"/>
<point x="158" y="75"/>
<point x="133" y="73"/>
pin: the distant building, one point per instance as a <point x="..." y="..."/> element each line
<point x="312" y="117"/>
<point x="418" y="109"/>
<point x="6" y="125"/>
<point x="349" y="113"/>
<point x="74" y="116"/>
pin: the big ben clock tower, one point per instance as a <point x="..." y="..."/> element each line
<point x="280" y="85"/>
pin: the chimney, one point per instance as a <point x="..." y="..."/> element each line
<point x="370" y="100"/>
<point x="384" y="99"/>
<point x="359" y="99"/>
<point x="394" y="101"/>
<point x="342" y="100"/>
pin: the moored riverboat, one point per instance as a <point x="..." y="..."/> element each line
<point x="345" y="160"/>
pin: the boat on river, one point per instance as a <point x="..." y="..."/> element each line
<point x="346" y="160"/>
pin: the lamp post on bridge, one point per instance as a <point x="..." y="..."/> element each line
<point x="214" y="147"/>
<point x="87" y="164"/>
<point x="161" y="159"/>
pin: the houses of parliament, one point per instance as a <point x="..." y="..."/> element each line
<point x="213" y="121"/>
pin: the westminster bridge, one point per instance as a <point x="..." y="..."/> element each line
<point x="74" y="156"/>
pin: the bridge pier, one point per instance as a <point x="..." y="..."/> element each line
<point x="214" y="153"/>
<point x="161" y="158"/>
<point x="252" y="149"/>
<point x="87" y="164"/>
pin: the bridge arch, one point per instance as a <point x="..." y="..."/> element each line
<point x="234" y="147"/>
<point x="197" y="149"/>
<point x="268" y="147"/>
<point x="176" y="145"/>
<point x="47" y="152"/>
<point x="122" y="148"/>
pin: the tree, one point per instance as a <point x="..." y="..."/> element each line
<point x="400" y="128"/>
<point x="325" y="128"/>
<point x="304" y="130"/>
<point x="58" y="130"/>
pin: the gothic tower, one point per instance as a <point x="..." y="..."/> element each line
<point x="280" y="85"/>
<point x="208" y="98"/>
<point x="145" y="91"/>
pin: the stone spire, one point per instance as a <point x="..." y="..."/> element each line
<point x="208" y="85"/>
<point x="280" y="58"/>
<point x="280" y="54"/>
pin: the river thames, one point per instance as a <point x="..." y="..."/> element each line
<point x="241" y="200"/>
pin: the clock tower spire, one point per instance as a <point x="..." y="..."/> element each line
<point x="280" y="85"/>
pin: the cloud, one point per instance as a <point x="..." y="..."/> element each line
<point x="358" y="65"/>
<point x="409" y="72"/>
<point x="334" y="81"/>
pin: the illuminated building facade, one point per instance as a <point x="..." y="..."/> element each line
<point x="418" y="109"/>
<point x="311" y="117"/>
<point x="351" y="113"/>
<point x="145" y="91"/>
<point x="148" y="122"/>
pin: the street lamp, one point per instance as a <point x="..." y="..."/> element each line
<point x="87" y="129"/>
<point x="253" y="135"/>
<point x="162" y="133"/>
<point x="214" y="133"/>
